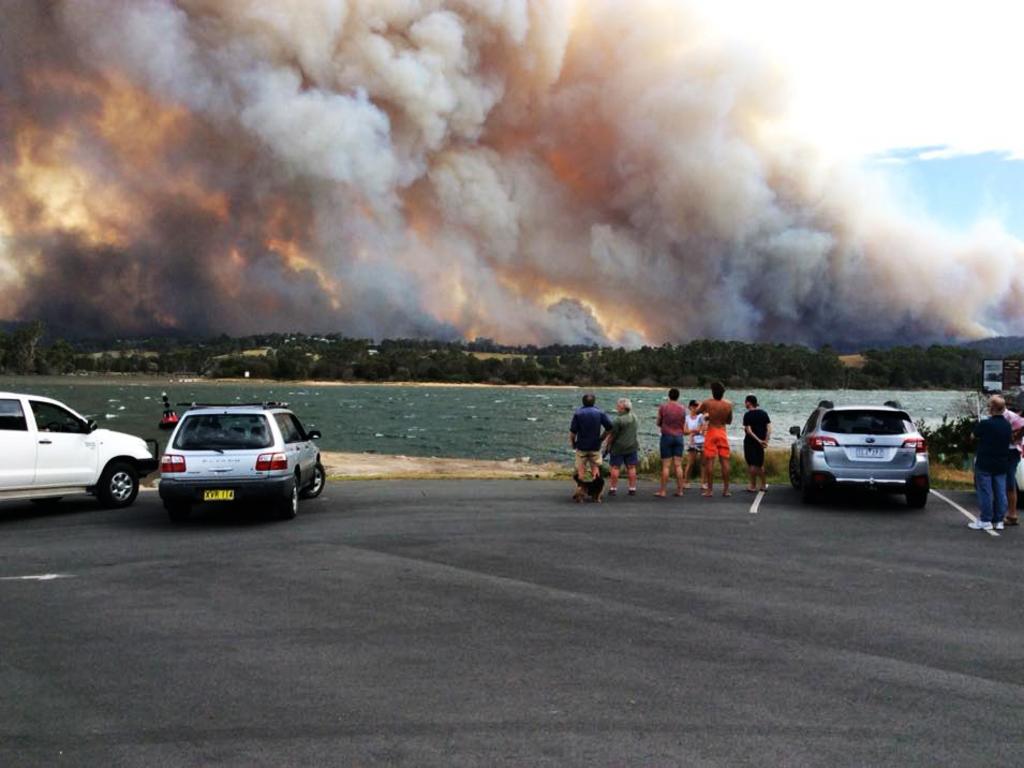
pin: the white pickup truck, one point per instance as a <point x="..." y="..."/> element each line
<point x="48" y="451"/>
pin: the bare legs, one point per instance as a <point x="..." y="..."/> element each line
<point x="692" y="456"/>
<point x="709" y="468"/>
<point x="668" y="465"/>
<point x="755" y="473"/>
<point x="630" y="474"/>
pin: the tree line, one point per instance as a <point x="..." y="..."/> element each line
<point x="26" y="350"/>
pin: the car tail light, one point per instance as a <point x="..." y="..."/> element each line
<point x="171" y="463"/>
<point x="917" y="443"/>
<point x="266" y="462"/>
<point x="818" y="442"/>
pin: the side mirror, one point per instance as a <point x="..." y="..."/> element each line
<point x="91" y="425"/>
<point x="794" y="431"/>
<point x="314" y="434"/>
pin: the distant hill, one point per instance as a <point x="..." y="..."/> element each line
<point x="999" y="346"/>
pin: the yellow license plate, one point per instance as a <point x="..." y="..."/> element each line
<point x="218" y="495"/>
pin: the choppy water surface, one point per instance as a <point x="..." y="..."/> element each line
<point x="465" y="422"/>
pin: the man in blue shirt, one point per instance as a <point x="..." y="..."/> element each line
<point x="585" y="436"/>
<point x="991" y="463"/>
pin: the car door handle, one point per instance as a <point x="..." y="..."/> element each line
<point x="46" y="442"/>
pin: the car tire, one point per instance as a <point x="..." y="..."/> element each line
<point x="118" y="485"/>
<point x="288" y="507"/>
<point x="794" y="476"/>
<point x="809" y="494"/>
<point x="917" y="499"/>
<point x="178" y="511"/>
<point x="316" y="486"/>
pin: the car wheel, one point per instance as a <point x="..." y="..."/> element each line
<point x="316" y="487"/>
<point x="794" y="476"/>
<point x="917" y="499"/>
<point x="809" y="493"/>
<point x="178" y="511"/>
<point x="288" y="508"/>
<point x="118" y="486"/>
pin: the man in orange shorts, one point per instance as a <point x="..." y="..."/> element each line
<point x="716" y="441"/>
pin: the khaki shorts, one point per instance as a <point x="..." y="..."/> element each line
<point x="587" y="460"/>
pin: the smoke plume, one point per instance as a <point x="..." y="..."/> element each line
<point x="528" y="170"/>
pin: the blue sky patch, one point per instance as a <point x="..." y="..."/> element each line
<point x="958" y="191"/>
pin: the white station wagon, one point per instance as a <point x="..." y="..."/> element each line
<point x="50" y="451"/>
<point x="228" y="453"/>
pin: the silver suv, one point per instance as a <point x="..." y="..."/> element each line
<point x="865" y="445"/>
<point x="226" y="453"/>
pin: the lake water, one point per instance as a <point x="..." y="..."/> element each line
<point x="464" y="422"/>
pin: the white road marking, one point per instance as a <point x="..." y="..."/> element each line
<point x="38" y="577"/>
<point x="960" y="509"/>
<point x="757" y="503"/>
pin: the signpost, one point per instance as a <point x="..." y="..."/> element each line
<point x="1002" y="376"/>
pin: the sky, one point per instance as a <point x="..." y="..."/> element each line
<point x="925" y="94"/>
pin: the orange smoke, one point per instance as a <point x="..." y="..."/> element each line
<point x="59" y="185"/>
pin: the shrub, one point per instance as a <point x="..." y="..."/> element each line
<point x="950" y="442"/>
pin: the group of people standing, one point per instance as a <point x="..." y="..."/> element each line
<point x="697" y="433"/>
<point x="995" y="466"/>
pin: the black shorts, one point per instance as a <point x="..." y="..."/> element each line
<point x="753" y="453"/>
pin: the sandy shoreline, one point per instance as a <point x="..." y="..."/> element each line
<point x="367" y="466"/>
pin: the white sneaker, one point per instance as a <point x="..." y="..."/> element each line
<point x="978" y="525"/>
<point x="1000" y="526"/>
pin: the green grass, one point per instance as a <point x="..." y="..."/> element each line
<point x="951" y="478"/>
<point x="776" y="465"/>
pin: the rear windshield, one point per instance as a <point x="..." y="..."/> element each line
<point x="866" y="423"/>
<point x="223" y="431"/>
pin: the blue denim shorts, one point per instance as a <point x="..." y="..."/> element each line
<point x="629" y="459"/>
<point x="672" y="446"/>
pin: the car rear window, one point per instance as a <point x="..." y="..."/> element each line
<point x="866" y="422"/>
<point x="223" y="431"/>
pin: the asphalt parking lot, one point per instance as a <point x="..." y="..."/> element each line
<point x="495" y="623"/>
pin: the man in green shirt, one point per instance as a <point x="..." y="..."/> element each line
<point x="623" y="445"/>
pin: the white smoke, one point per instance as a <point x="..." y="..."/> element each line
<point x="544" y="171"/>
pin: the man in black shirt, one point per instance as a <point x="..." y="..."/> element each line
<point x="991" y="463"/>
<point x="757" y="429"/>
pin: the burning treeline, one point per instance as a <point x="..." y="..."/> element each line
<point x="598" y="171"/>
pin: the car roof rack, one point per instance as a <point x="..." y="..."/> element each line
<point x="265" y="404"/>
<point x="826" y="404"/>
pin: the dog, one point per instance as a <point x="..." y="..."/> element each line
<point x="594" y="489"/>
